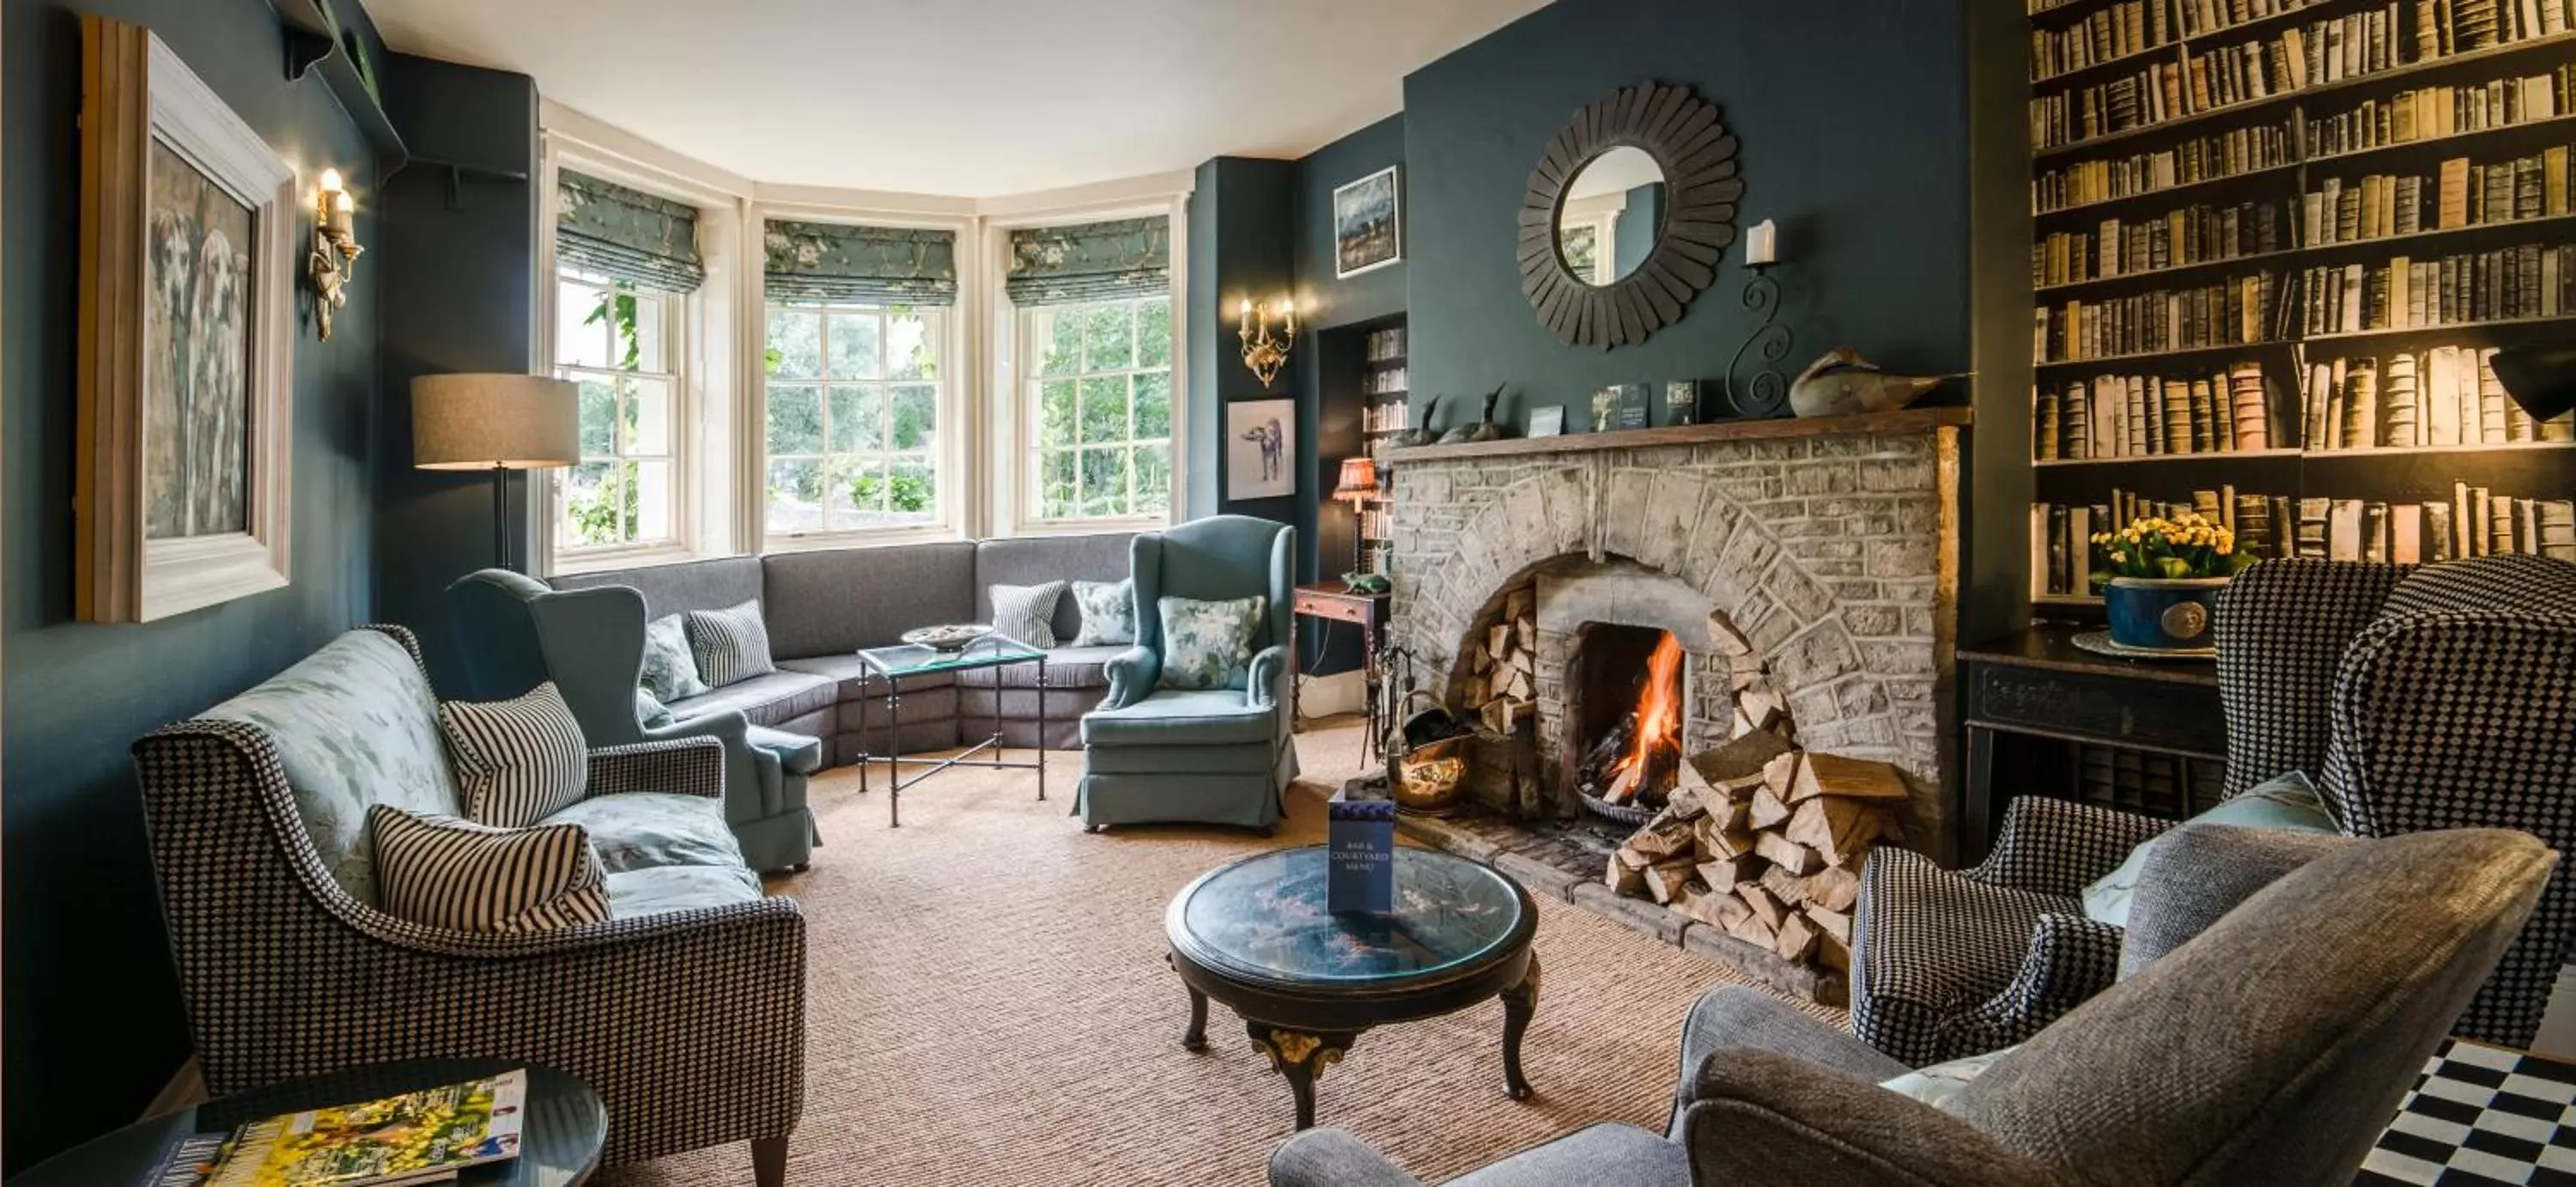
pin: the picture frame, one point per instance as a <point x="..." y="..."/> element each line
<point x="186" y="330"/>
<point x="1548" y="421"/>
<point x="1635" y="409"/>
<point x="1368" y="223"/>
<point x="1261" y="449"/>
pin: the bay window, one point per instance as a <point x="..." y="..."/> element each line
<point x="853" y="420"/>
<point x="1093" y="402"/>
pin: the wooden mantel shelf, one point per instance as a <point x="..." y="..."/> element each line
<point x="1905" y="420"/>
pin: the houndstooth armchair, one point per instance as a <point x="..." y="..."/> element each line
<point x="2440" y="698"/>
<point x="689" y="1020"/>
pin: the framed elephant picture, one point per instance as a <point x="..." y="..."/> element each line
<point x="1261" y="449"/>
<point x="186" y="321"/>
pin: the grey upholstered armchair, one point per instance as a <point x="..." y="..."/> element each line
<point x="518" y="632"/>
<point x="2438" y="697"/>
<point x="2330" y="987"/>
<point x="1216" y="756"/>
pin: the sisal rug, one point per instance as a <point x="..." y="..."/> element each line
<point x="988" y="1004"/>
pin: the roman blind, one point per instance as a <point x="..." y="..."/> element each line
<point x="1105" y="261"/>
<point x="626" y="234"/>
<point x="860" y="265"/>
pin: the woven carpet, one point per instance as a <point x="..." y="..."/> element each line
<point x="988" y="1004"/>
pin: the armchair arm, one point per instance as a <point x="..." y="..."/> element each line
<point x="686" y="766"/>
<point x="2071" y="958"/>
<point x="751" y="773"/>
<point x="1132" y="674"/>
<point x="2054" y="846"/>
<point x="1760" y="1117"/>
<point x="1267" y="684"/>
<point x="1332" y="1158"/>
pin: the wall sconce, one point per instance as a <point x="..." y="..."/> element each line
<point x="1262" y="352"/>
<point x="335" y="247"/>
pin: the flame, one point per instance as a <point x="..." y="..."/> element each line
<point x="1659" y="710"/>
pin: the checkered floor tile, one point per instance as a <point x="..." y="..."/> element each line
<point x="2481" y="1115"/>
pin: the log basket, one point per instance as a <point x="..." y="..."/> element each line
<point x="1427" y="779"/>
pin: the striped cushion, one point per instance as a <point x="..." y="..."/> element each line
<point x="453" y="873"/>
<point x="1026" y="613"/>
<point x="731" y="645"/>
<point x="517" y="761"/>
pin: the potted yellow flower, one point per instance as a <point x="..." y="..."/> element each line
<point x="2160" y="579"/>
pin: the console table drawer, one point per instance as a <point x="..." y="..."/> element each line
<point x="2179" y="716"/>
<point x="1340" y="609"/>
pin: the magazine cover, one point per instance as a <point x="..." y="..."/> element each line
<point x="417" y="1137"/>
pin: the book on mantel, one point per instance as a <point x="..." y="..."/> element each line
<point x="1360" y="845"/>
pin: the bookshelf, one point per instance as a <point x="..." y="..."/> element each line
<point x="2275" y="244"/>
<point x="1365" y="381"/>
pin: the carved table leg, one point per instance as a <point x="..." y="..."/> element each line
<point x="1195" y="1038"/>
<point x="1301" y="1058"/>
<point x="1519" y="1002"/>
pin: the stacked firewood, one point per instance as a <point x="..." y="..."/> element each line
<point x="1502" y="673"/>
<point x="1765" y="841"/>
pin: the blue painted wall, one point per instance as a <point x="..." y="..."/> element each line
<point x="92" y="1024"/>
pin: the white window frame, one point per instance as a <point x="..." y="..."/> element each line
<point x="948" y="455"/>
<point x="673" y="329"/>
<point x="1026" y="409"/>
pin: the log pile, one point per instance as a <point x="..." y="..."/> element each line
<point x="1765" y="841"/>
<point x="1502" y="666"/>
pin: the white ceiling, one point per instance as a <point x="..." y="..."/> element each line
<point x="969" y="98"/>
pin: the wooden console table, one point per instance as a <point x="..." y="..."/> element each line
<point x="1333" y="602"/>
<point x="2032" y="703"/>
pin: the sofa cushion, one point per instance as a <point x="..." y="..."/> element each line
<point x="1176" y="717"/>
<point x="639" y="829"/>
<point x="767" y="700"/>
<point x="1066" y="667"/>
<point x="838" y="600"/>
<point x="670" y="667"/>
<point x="1026" y="613"/>
<point x="354" y="725"/>
<point x="1027" y="560"/>
<point x="854" y="680"/>
<point x="731" y="645"/>
<point x="1602" y="1153"/>
<point x="798" y="754"/>
<point x="1209" y="644"/>
<point x="465" y="876"/>
<point x="679" y="888"/>
<point x="1108" y="611"/>
<point x="518" y="760"/>
<point x="678" y="589"/>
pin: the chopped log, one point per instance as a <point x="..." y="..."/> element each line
<point x="1503" y="715"/>
<point x="1858" y="779"/>
<point x="1833" y="954"/>
<point x="1728" y="765"/>
<point x="1729" y="640"/>
<point x="1832" y="923"/>
<point x="1624" y="786"/>
<point x="1518" y="685"/>
<point x="1802" y="781"/>
<point x="1797" y="939"/>
<point x="1787" y="854"/>
<point x="1765" y="907"/>
<point x="1743" y="679"/>
<point x="1834" y="888"/>
<point x="1727" y="871"/>
<point x="1717" y="908"/>
<point x="1780" y="773"/>
<point x="1717" y="841"/>
<point x="1498" y="640"/>
<point x="1664" y="881"/>
<point x="1838" y="828"/>
<point x="1733" y="812"/>
<point x="1784" y="885"/>
<point x="1518" y="603"/>
<point x="1752" y="930"/>
<point x="1623" y="877"/>
<point x="1663" y="839"/>
<point x="1761" y="709"/>
<point x="1527" y="632"/>
<point x="1687" y="803"/>
<point x="1768" y="812"/>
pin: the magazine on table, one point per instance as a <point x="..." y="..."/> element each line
<point x="418" y="1137"/>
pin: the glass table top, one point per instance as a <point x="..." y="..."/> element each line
<point x="1265" y="916"/>
<point x="913" y="659"/>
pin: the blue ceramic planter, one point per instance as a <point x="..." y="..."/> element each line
<point x="2168" y="614"/>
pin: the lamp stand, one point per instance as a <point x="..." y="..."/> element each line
<point x="500" y="517"/>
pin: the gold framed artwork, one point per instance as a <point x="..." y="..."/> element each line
<point x="186" y="324"/>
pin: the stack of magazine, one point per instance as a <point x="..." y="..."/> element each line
<point x="418" y="1137"/>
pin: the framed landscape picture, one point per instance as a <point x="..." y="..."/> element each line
<point x="1368" y="223"/>
<point x="1261" y="449"/>
<point x="186" y="323"/>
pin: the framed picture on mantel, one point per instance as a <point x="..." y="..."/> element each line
<point x="186" y="311"/>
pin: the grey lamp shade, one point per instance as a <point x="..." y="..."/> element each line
<point x="484" y="422"/>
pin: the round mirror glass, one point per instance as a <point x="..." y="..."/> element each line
<point x="1611" y="216"/>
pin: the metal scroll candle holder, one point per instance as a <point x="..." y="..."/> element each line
<point x="1766" y="391"/>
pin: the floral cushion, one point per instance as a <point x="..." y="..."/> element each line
<point x="642" y="829"/>
<point x="1209" y="645"/>
<point x="1937" y="1084"/>
<point x="1108" y="612"/>
<point x="649" y="712"/>
<point x="670" y="669"/>
<point x="356" y="726"/>
<point x="2285" y="801"/>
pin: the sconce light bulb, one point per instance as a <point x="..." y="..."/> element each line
<point x="344" y="203"/>
<point x="331" y="181"/>
<point x="1246" y="309"/>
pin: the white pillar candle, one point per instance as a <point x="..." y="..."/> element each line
<point x="1762" y="243"/>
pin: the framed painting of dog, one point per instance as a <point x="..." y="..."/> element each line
<point x="1261" y="449"/>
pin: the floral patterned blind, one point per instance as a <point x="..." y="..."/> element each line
<point x="860" y="265"/>
<point x="625" y="234"/>
<point x="1091" y="262"/>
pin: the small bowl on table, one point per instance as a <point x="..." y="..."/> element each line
<point x="947" y="638"/>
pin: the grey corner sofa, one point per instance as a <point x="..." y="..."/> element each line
<point x="821" y="607"/>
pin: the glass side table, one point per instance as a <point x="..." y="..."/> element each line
<point x="894" y="664"/>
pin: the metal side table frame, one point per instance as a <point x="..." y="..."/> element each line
<point x="893" y="665"/>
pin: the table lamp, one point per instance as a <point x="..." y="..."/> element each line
<point x="498" y="423"/>
<point x="2542" y="379"/>
<point x="1358" y="486"/>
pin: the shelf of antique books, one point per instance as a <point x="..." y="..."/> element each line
<point x="2075" y="262"/>
<point x="2136" y="32"/>
<point x="2174" y="352"/>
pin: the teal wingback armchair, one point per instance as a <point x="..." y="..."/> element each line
<point x="519" y="632"/>
<point x="1216" y="756"/>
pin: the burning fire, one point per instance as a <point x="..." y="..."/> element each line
<point x="1659" y="716"/>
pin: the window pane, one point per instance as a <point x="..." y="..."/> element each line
<point x="598" y="418"/>
<point x="1108" y="339"/>
<point x="910" y="353"/>
<point x="1104" y="409"/>
<point x="912" y="493"/>
<point x="855" y="347"/>
<point x="795" y="344"/>
<point x="648" y="416"/>
<point x="1055" y="412"/>
<point x="795" y="496"/>
<point x="592" y="513"/>
<point x="1154" y="333"/>
<point x="795" y="418"/>
<point x="916" y="415"/>
<point x="652" y="493"/>
<point x="1154" y="406"/>
<point x="1153" y="478"/>
<point x="581" y="331"/>
<point x="856" y="490"/>
<point x="858" y="418"/>
<point x="1057" y="333"/>
<point x="639" y="329"/>
<point x="1055" y="484"/>
<point x="1104" y="482"/>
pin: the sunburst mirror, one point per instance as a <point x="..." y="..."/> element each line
<point x="1628" y="213"/>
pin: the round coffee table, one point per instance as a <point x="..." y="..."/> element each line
<point x="559" y="1147"/>
<point x="1256" y="936"/>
